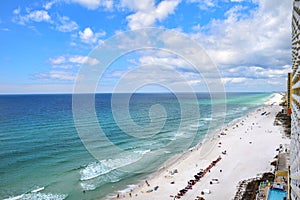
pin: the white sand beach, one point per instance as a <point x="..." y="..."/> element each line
<point x="250" y="144"/>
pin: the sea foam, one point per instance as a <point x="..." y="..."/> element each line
<point x="38" y="196"/>
<point x="96" y="169"/>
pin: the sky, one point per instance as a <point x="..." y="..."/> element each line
<point x="45" y="44"/>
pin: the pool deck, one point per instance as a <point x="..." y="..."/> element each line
<point x="281" y="177"/>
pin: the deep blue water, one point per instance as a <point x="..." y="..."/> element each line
<point x="41" y="148"/>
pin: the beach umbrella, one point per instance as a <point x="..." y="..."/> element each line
<point x="207" y="191"/>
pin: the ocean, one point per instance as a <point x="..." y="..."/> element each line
<point x="46" y="154"/>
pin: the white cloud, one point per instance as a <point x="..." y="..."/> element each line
<point x="90" y="4"/>
<point x="256" y="72"/>
<point x="272" y="73"/>
<point x="161" y="64"/>
<point x="61" y="23"/>
<point x="73" y="44"/>
<point x="4" y="29"/>
<point x="169" y="61"/>
<point x="233" y="80"/>
<point x="197" y="27"/>
<point x="248" y="84"/>
<point x="166" y="8"/>
<point x="204" y="4"/>
<point x="58" y="60"/>
<point x="137" y="5"/>
<point x="163" y="68"/>
<point x="64" y="62"/>
<point x="89" y="37"/>
<point x="32" y="16"/>
<point x="83" y="60"/>
<point x="194" y="82"/>
<point x="108" y="4"/>
<point x="146" y="75"/>
<point x="66" y="25"/>
<point x="256" y="47"/>
<point x="62" y="67"/>
<point x="17" y="11"/>
<point x="56" y="75"/>
<point x="38" y="16"/>
<point x="140" y="20"/>
<point x="275" y="82"/>
<point x="62" y="75"/>
<point x="49" y="4"/>
<point x="146" y="13"/>
<point x="94" y="4"/>
<point x="156" y="73"/>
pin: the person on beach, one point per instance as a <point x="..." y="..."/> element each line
<point x="147" y="183"/>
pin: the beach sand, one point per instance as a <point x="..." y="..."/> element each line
<point x="250" y="144"/>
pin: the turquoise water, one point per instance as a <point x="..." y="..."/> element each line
<point x="40" y="147"/>
<point x="276" y="194"/>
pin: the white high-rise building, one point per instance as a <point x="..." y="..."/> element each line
<point x="295" y="124"/>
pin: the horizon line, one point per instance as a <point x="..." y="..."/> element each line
<point x="2" y="94"/>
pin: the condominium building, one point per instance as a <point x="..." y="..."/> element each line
<point x="289" y="93"/>
<point x="295" y="104"/>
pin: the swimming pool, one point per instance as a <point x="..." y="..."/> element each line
<point x="275" y="194"/>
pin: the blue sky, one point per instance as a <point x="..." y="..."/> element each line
<point x="45" y="43"/>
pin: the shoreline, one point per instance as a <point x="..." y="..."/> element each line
<point x="164" y="184"/>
